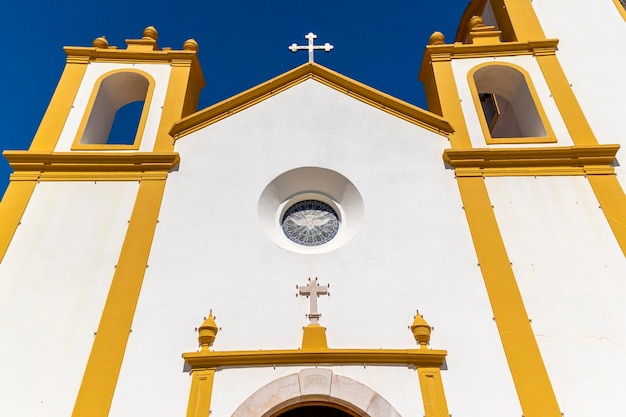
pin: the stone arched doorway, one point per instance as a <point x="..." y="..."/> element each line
<point x="315" y="411"/>
<point x="315" y="391"/>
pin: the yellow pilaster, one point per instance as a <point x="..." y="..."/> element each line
<point x="565" y="100"/>
<point x="432" y="392"/>
<point x="520" y="347"/>
<point x="612" y="200"/>
<point x="105" y="361"/>
<point x="12" y="207"/>
<point x="201" y="391"/>
<point x="445" y="96"/>
<point x="181" y="99"/>
<point x="61" y="104"/>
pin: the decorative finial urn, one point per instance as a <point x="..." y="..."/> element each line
<point x="421" y="330"/>
<point x="437" y="38"/>
<point x="101" y="42"/>
<point x="207" y="332"/>
<point x="190" y="45"/>
<point x="150" y="33"/>
<point x="475" y="22"/>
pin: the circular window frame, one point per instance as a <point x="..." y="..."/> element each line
<point x="310" y="183"/>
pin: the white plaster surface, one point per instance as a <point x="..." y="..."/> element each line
<point x="413" y="250"/>
<point x="570" y="272"/>
<point x="592" y="52"/>
<point x="159" y="72"/>
<point x="461" y="68"/>
<point x="52" y="290"/>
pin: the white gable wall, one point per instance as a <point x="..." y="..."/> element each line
<point x="413" y="251"/>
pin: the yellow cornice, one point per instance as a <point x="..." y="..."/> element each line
<point x="167" y="56"/>
<point x="321" y="74"/>
<point x="247" y="358"/>
<point x="90" y="165"/>
<point x="446" y="52"/>
<point x="562" y="160"/>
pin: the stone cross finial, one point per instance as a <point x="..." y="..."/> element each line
<point x="311" y="48"/>
<point x="312" y="290"/>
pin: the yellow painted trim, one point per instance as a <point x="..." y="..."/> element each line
<point x="12" y="208"/>
<point x="92" y="166"/>
<point x="183" y="92"/>
<point x="314" y="337"/>
<point x="201" y="393"/>
<point x="520" y="347"/>
<point x="562" y="160"/>
<point x="77" y="145"/>
<point x="612" y="200"/>
<point x="565" y="100"/>
<point x="433" y="394"/>
<point x="105" y="361"/>
<point x="324" y="75"/>
<point x="442" y="96"/>
<point x="60" y="105"/>
<point x="620" y="8"/>
<point x="248" y="358"/>
<point x="550" y="136"/>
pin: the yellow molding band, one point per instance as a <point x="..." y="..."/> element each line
<point x="91" y="165"/>
<point x="445" y="52"/>
<point x="612" y="200"/>
<point x="201" y="392"/>
<point x="520" y="347"/>
<point x="572" y="160"/>
<point x="324" y="75"/>
<point x="432" y="392"/>
<point x="565" y="100"/>
<point x="60" y="105"/>
<point x="247" y="358"/>
<point x="12" y="207"/>
<point x="136" y="56"/>
<point x="105" y="361"/>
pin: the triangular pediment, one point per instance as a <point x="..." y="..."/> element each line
<point x="339" y="82"/>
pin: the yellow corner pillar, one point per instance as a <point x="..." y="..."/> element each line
<point x="612" y="200"/>
<point x="183" y="92"/>
<point x="105" y="361"/>
<point x="520" y="347"/>
<point x="442" y="92"/>
<point x="61" y="104"/>
<point x="13" y="206"/>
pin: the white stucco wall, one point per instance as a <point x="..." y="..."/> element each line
<point x="570" y="272"/>
<point x="413" y="250"/>
<point x="52" y="290"/>
<point x="159" y="72"/>
<point x="461" y="68"/>
<point x="592" y="52"/>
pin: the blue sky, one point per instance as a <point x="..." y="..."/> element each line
<point x="242" y="43"/>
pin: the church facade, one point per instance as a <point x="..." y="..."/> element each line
<point x="475" y="251"/>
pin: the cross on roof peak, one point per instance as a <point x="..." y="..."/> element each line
<point x="312" y="290"/>
<point x="310" y="47"/>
